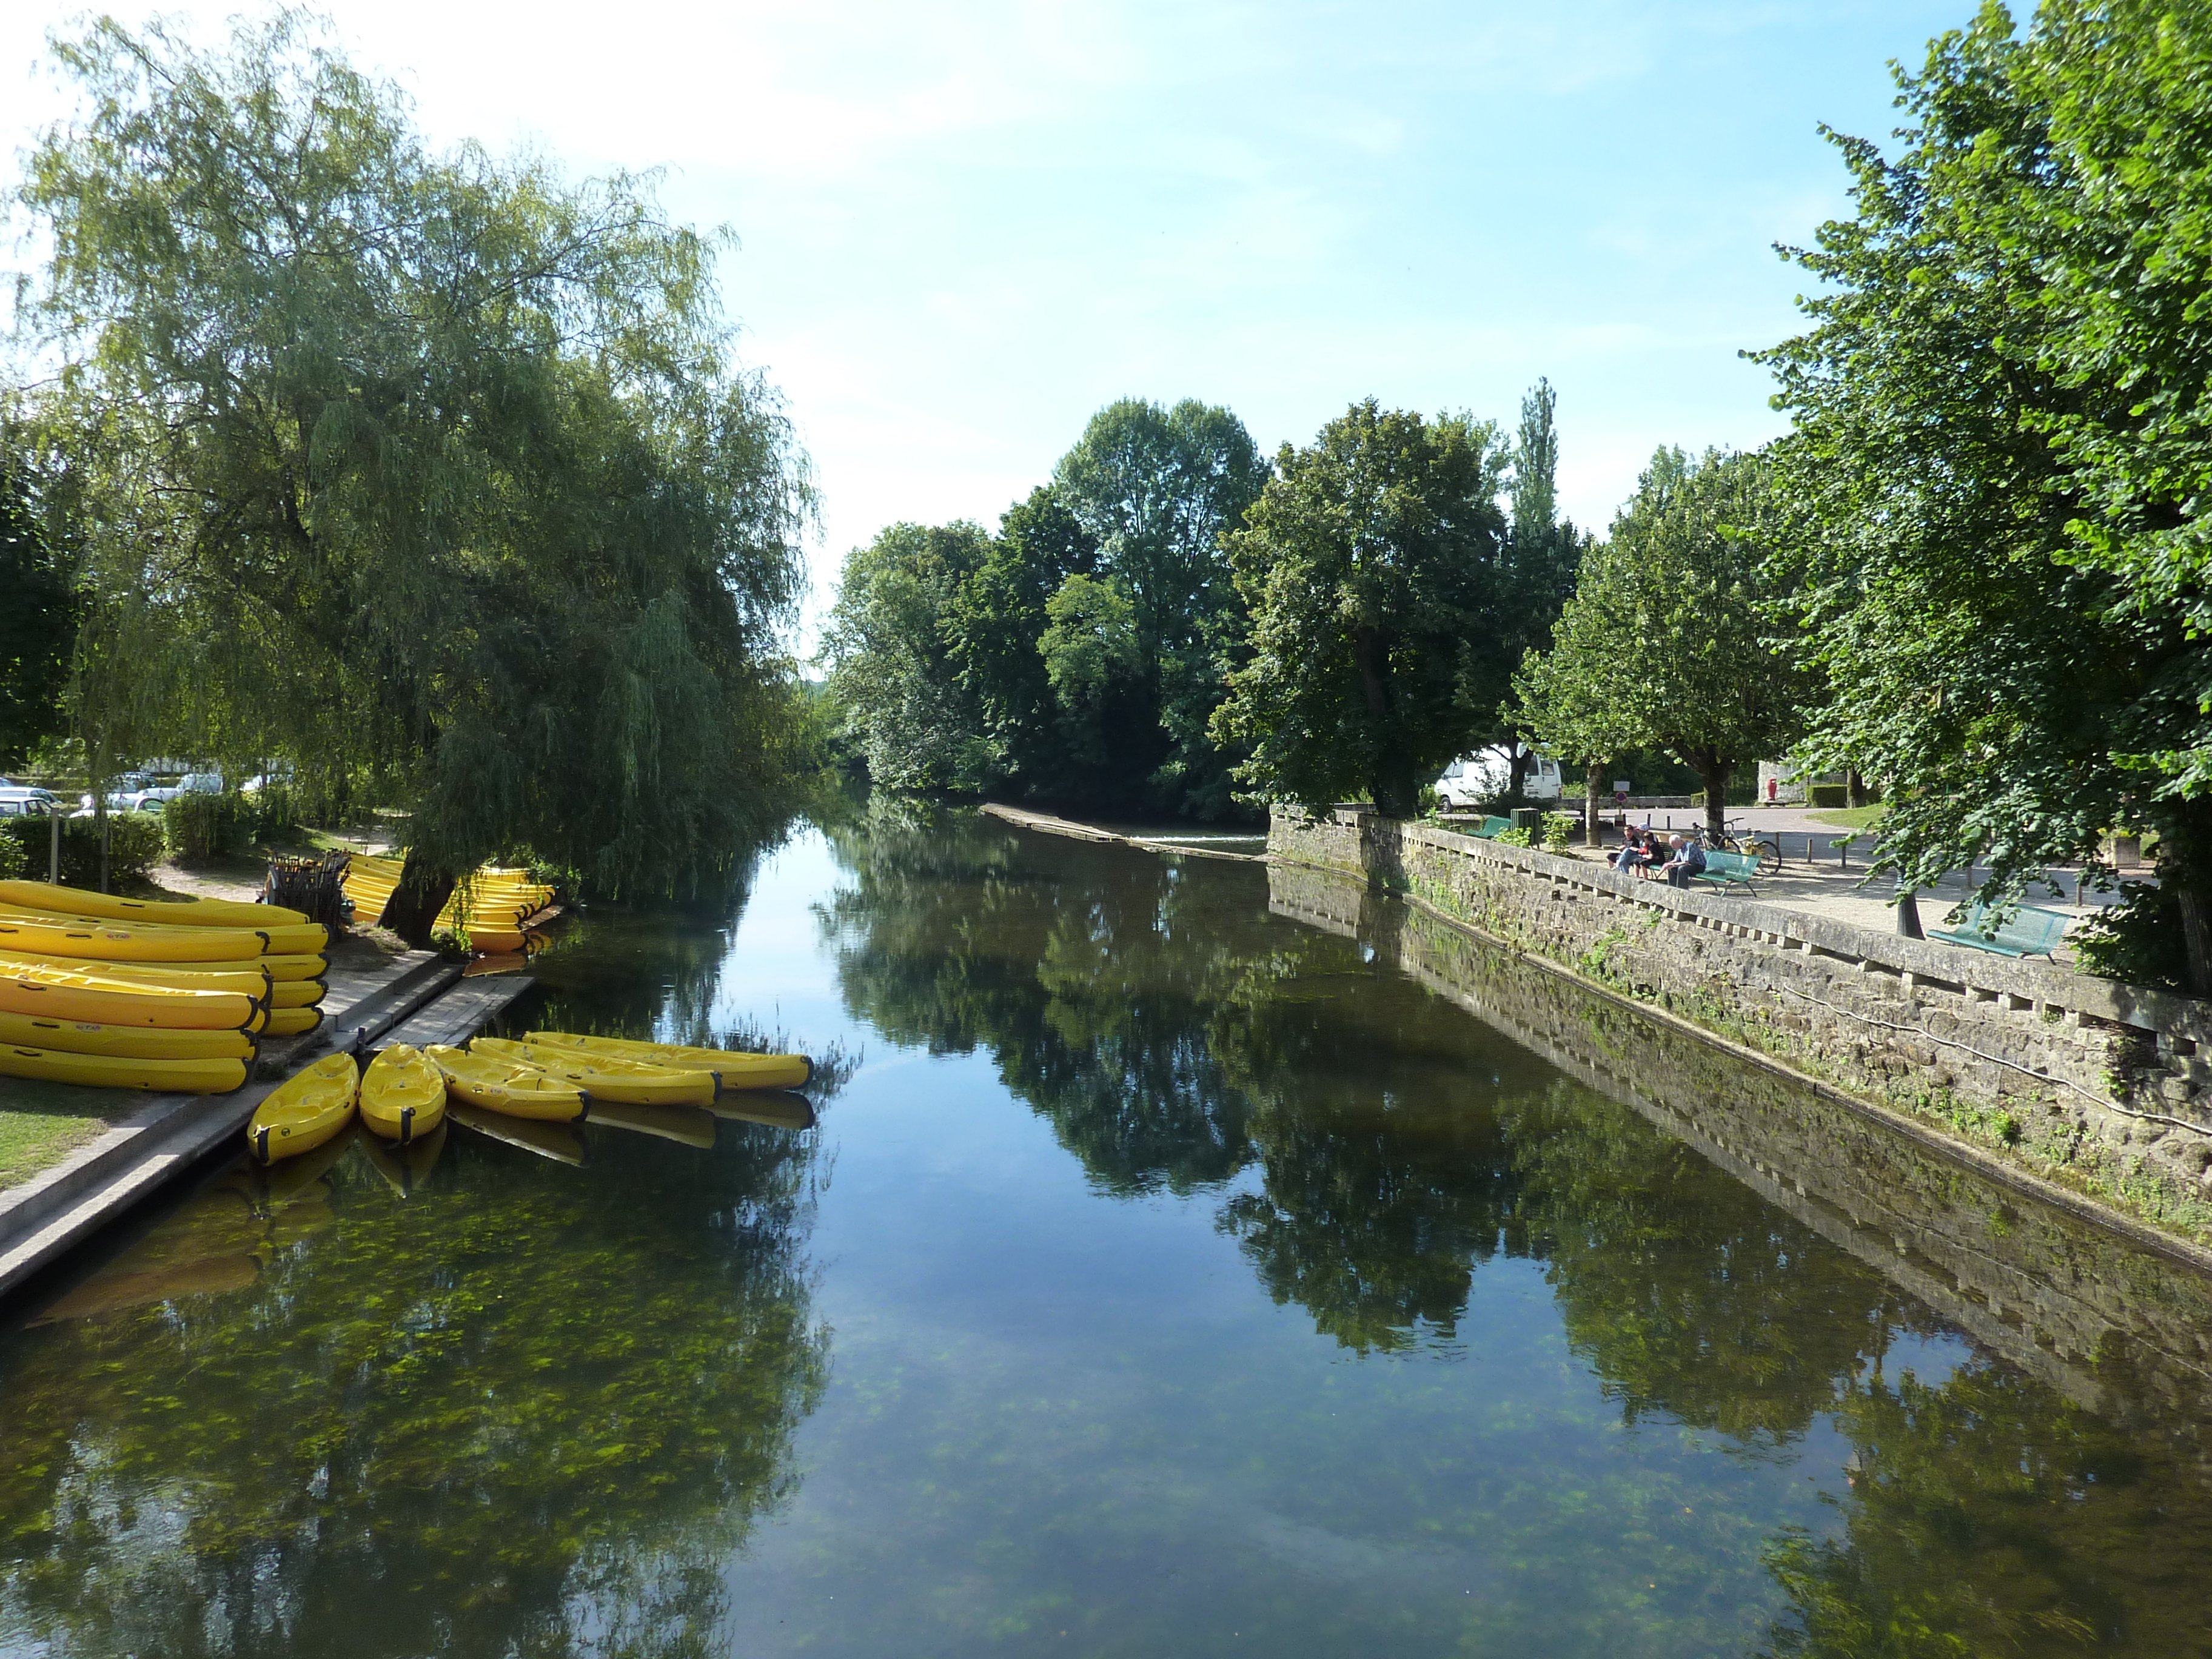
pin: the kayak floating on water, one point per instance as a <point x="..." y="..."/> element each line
<point x="605" y="1077"/>
<point x="733" y="1068"/>
<point x="402" y="1095"/>
<point x="501" y="1086"/>
<point x="305" y="1111"/>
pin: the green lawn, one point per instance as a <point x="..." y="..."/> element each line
<point x="1853" y="818"/>
<point x="41" y="1123"/>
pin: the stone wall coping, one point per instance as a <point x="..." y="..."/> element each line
<point x="2045" y="984"/>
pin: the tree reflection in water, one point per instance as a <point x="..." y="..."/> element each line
<point x="512" y="1414"/>
<point x="1175" y="1035"/>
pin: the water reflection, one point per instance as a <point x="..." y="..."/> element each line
<point x="522" y="1411"/>
<point x="1372" y="1151"/>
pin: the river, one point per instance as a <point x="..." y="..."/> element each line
<point x="1183" y="1262"/>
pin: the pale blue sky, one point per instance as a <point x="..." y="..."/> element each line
<point x="966" y="227"/>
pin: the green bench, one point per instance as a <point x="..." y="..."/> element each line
<point x="1726" y="870"/>
<point x="1492" y="825"/>
<point x="2027" y="932"/>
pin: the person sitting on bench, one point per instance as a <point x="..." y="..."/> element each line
<point x="1689" y="860"/>
<point x="1635" y="855"/>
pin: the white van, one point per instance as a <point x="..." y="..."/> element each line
<point x="1482" y="776"/>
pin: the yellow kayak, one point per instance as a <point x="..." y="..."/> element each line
<point x="732" y="1069"/>
<point x="406" y="1167"/>
<point x="85" y="1036"/>
<point x="305" y="1111"/>
<point x="68" y="993"/>
<point x="116" y="941"/>
<point x="501" y="1085"/>
<point x="291" y="1022"/>
<point x="403" y="1098"/>
<point x="606" y="1076"/>
<point x="296" y="965"/>
<point x="184" y="1076"/>
<point x="555" y="1141"/>
<point x="190" y="976"/>
<point x="284" y="939"/>
<point x="48" y="899"/>
<point x="687" y="1126"/>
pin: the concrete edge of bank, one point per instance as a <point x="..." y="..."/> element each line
<point x="2089" y="1093"/>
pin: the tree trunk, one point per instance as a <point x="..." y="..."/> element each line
<point x="1519" y="757"/>
<point x="1390" y="781"/>
<point x="2197" y="935"/>
<point x="415" y="903"/>
<point x="1855" y="788"/>
<point x="1715" y="772"/>
<point x="1593" y="830"/>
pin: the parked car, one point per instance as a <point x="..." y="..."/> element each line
<point x="148" y="796"/>
<point x="279" y="773"/>
<point x="1473" y="779"/>
<point x="21" y="801"/>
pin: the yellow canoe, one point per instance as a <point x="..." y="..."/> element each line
<point x="295" y="965"/>
<point x="403" y="1096"/>
<point x="291" y="1022"/>
<point x="501" y="1085"/>
<point x="555" y="1141"/>
<point x="86" y="1036"/>
<point x="49" y="899"/>
<point x="190" y="976"/>
<point x="733" y="1068"/>
<point x="286" y="938"/>
<point x="184" y="1076"/>
<point x="305" y="1111"/>
<point x="606" y="1076"/>
<point x="116" y="941"/>
<point x="406" y="1167"/>
<point x="68" y="993"/>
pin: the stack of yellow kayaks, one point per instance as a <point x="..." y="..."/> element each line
<point x="305" y="1111"/>
<point x="498" y="908"/>
<point x="504" y="1086"/>
<point x="605" y="1077"/>
<point x="97" y="960"/>
<point x="402" y="1095"/>
<point x="731" y="1068"/>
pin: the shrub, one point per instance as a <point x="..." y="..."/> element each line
<point x="14" y="860"/>
<point x="1827" y="796"/>
<point x="2138" y="940"/>
<point x="1557" y="828"/>
<point x="271" y="816"/>
<point x="134" y="847"/>
<point x="198" y="828"/>
<point x="1516" y="837"/>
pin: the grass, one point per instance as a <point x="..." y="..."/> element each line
<point x="42" y="1123"/>
<point x="1853" y="818"/>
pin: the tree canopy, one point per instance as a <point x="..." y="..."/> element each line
<point x="2000" y="451"/>
<point x="430" y="469"/>
<point x="1370" y="562"/>
<point x="1668" y="639"/>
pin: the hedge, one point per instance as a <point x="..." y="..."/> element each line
<point x="199" y="827"/>
<point x="134" y="847"/>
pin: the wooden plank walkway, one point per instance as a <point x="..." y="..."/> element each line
<point x="405" y="1000"/>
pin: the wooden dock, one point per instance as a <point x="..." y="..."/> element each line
<point x="418" y="998"/>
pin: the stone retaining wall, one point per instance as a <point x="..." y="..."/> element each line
<point x="2102" y="1086"/>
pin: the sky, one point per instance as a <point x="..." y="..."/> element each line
<point x="964" y="227"/>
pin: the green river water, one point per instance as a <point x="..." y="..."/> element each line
<point x="1177" y="1266"/>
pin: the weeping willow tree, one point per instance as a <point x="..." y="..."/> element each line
<point x="429" y="470"/>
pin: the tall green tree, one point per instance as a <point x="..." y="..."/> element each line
<point x="38" y="602"/>
<point x="2000" y="448"/>
<point x="423" y="467"/>
<point x="1537" y="565"/>
<point x="1666" y="642"/>
<point x="1368" y="564"/>
<point x="1158" y="488"/>
<point x="894" y="664"/>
